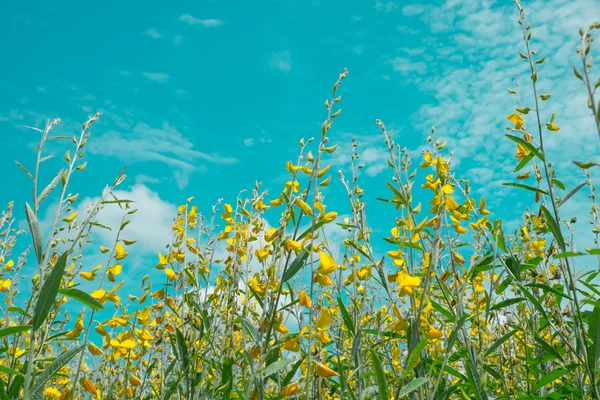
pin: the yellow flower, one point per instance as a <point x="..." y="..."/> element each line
<point x="324" y="371"/>
<point x="434" y="333"/>
<point x="289" y="390"/>
<point x="52" y="392"/>
<point x="125" y="344"/>
<point x="516" y="119"/>
<point x="279" y="326"/>
<point x="120" y="252"/>
<point x="538" y="246"/>
<point x="292" y="245"/>
<point x="401" y="324"/>
<point x="322" y="324"/>
<point x="135" y="381"/>
<point x="70" y="218"/>
<point x="330" y="216"/>
<point x="88" y="386"/>
<point x="305" y="300"/>
<point x="114" y="270"/>
<point x="521" y="151"/>
<point x="457" y="257"/>
<point x="91" y="275"/>
<point x="4" y="285"/>
<point x="170" y="274"/>
<point x="262" y="254"/>
<point x="301" y="204"/>
<point x="95" y="350"/>
<point x="271" y="234"/>
<point x="327" y="265"/>
<point x="407" y="283"/>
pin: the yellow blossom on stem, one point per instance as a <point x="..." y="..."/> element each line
<point x="407" y="283"/>
<point x="120" y="252"/>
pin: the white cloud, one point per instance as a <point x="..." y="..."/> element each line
<point x="207" y="23"/>
<point x="141" y="178"/>
<point x="164" y="145"/>
<point x="281" y="60"/>
<point x="408" y="67"/>
<point x="249" y="142"/>
<point x="386" y="6"/>
<point x="157" y="76"/>
<point x="469" y="71"/>
<point x="150" y="225"/>
<point x="413" y="9"/>
<point x="153" y="33"/>
<point x="177" y="39"/>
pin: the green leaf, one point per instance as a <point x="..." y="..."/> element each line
<point x="182" y="350"/>
<point x="523" y="110"/>
<point x="571" y="193"/>
<point x="551" y="222"/>
<point x="534" y="150"/>
<point x="226" y="377"/>
<point x="346" y="316"/>
<point x="14" y="329"/>
<point x="275" y="367"/>
<point x="499" y="235"/>
<point x="51" y="186"/>
<point x="250" y="328"/>
<point x="559" y="184"/>
<point x="499" y="342"/>
<point x="311" y="229"/>
<point x="397" y="194"/>
<point x="521" y="186"/>
<point x="506" y="303"/>
<point x="413" y="358"/>
<point x="524" y="161"/>
<point x="19" y="310"/>
<point x="585" y="164"/>
<point x="9" y="371"/>
<point x="297" y="264"/>
<point x="379" y="374"/>
<point x="567" y="254"/>
<point x="82" y="297"/>
<point x="594" y="335"/>
<point x="56" y="365"/>
<point x="36" y="233"/>
<point x="49" y="291"/>
<point x="381" y="274"/>
<point x="412" y="386"/>
<point x="25" y="170"/>
<point x="549" y="378"/>
<point x="547" y="288"/>
<point x="290" y="375"/>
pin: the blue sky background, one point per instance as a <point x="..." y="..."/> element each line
<point x="205" y="98"/>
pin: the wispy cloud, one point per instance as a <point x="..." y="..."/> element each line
<point x="471" y="67"/>
<point x="413" y="9"/>
<point x="207" y="23"/>
<point x="164" y="145"/>
<point x="157" y="76"/>
<point x="281" y="60"/>
<point x="153" y="33"/>
<point x="387" y="7"/>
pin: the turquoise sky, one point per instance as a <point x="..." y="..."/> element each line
<point x="204" y="98"/>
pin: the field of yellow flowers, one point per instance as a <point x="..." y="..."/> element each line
<point x="456" y="309"/>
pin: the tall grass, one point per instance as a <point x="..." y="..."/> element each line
<point x="456" y="309"/>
